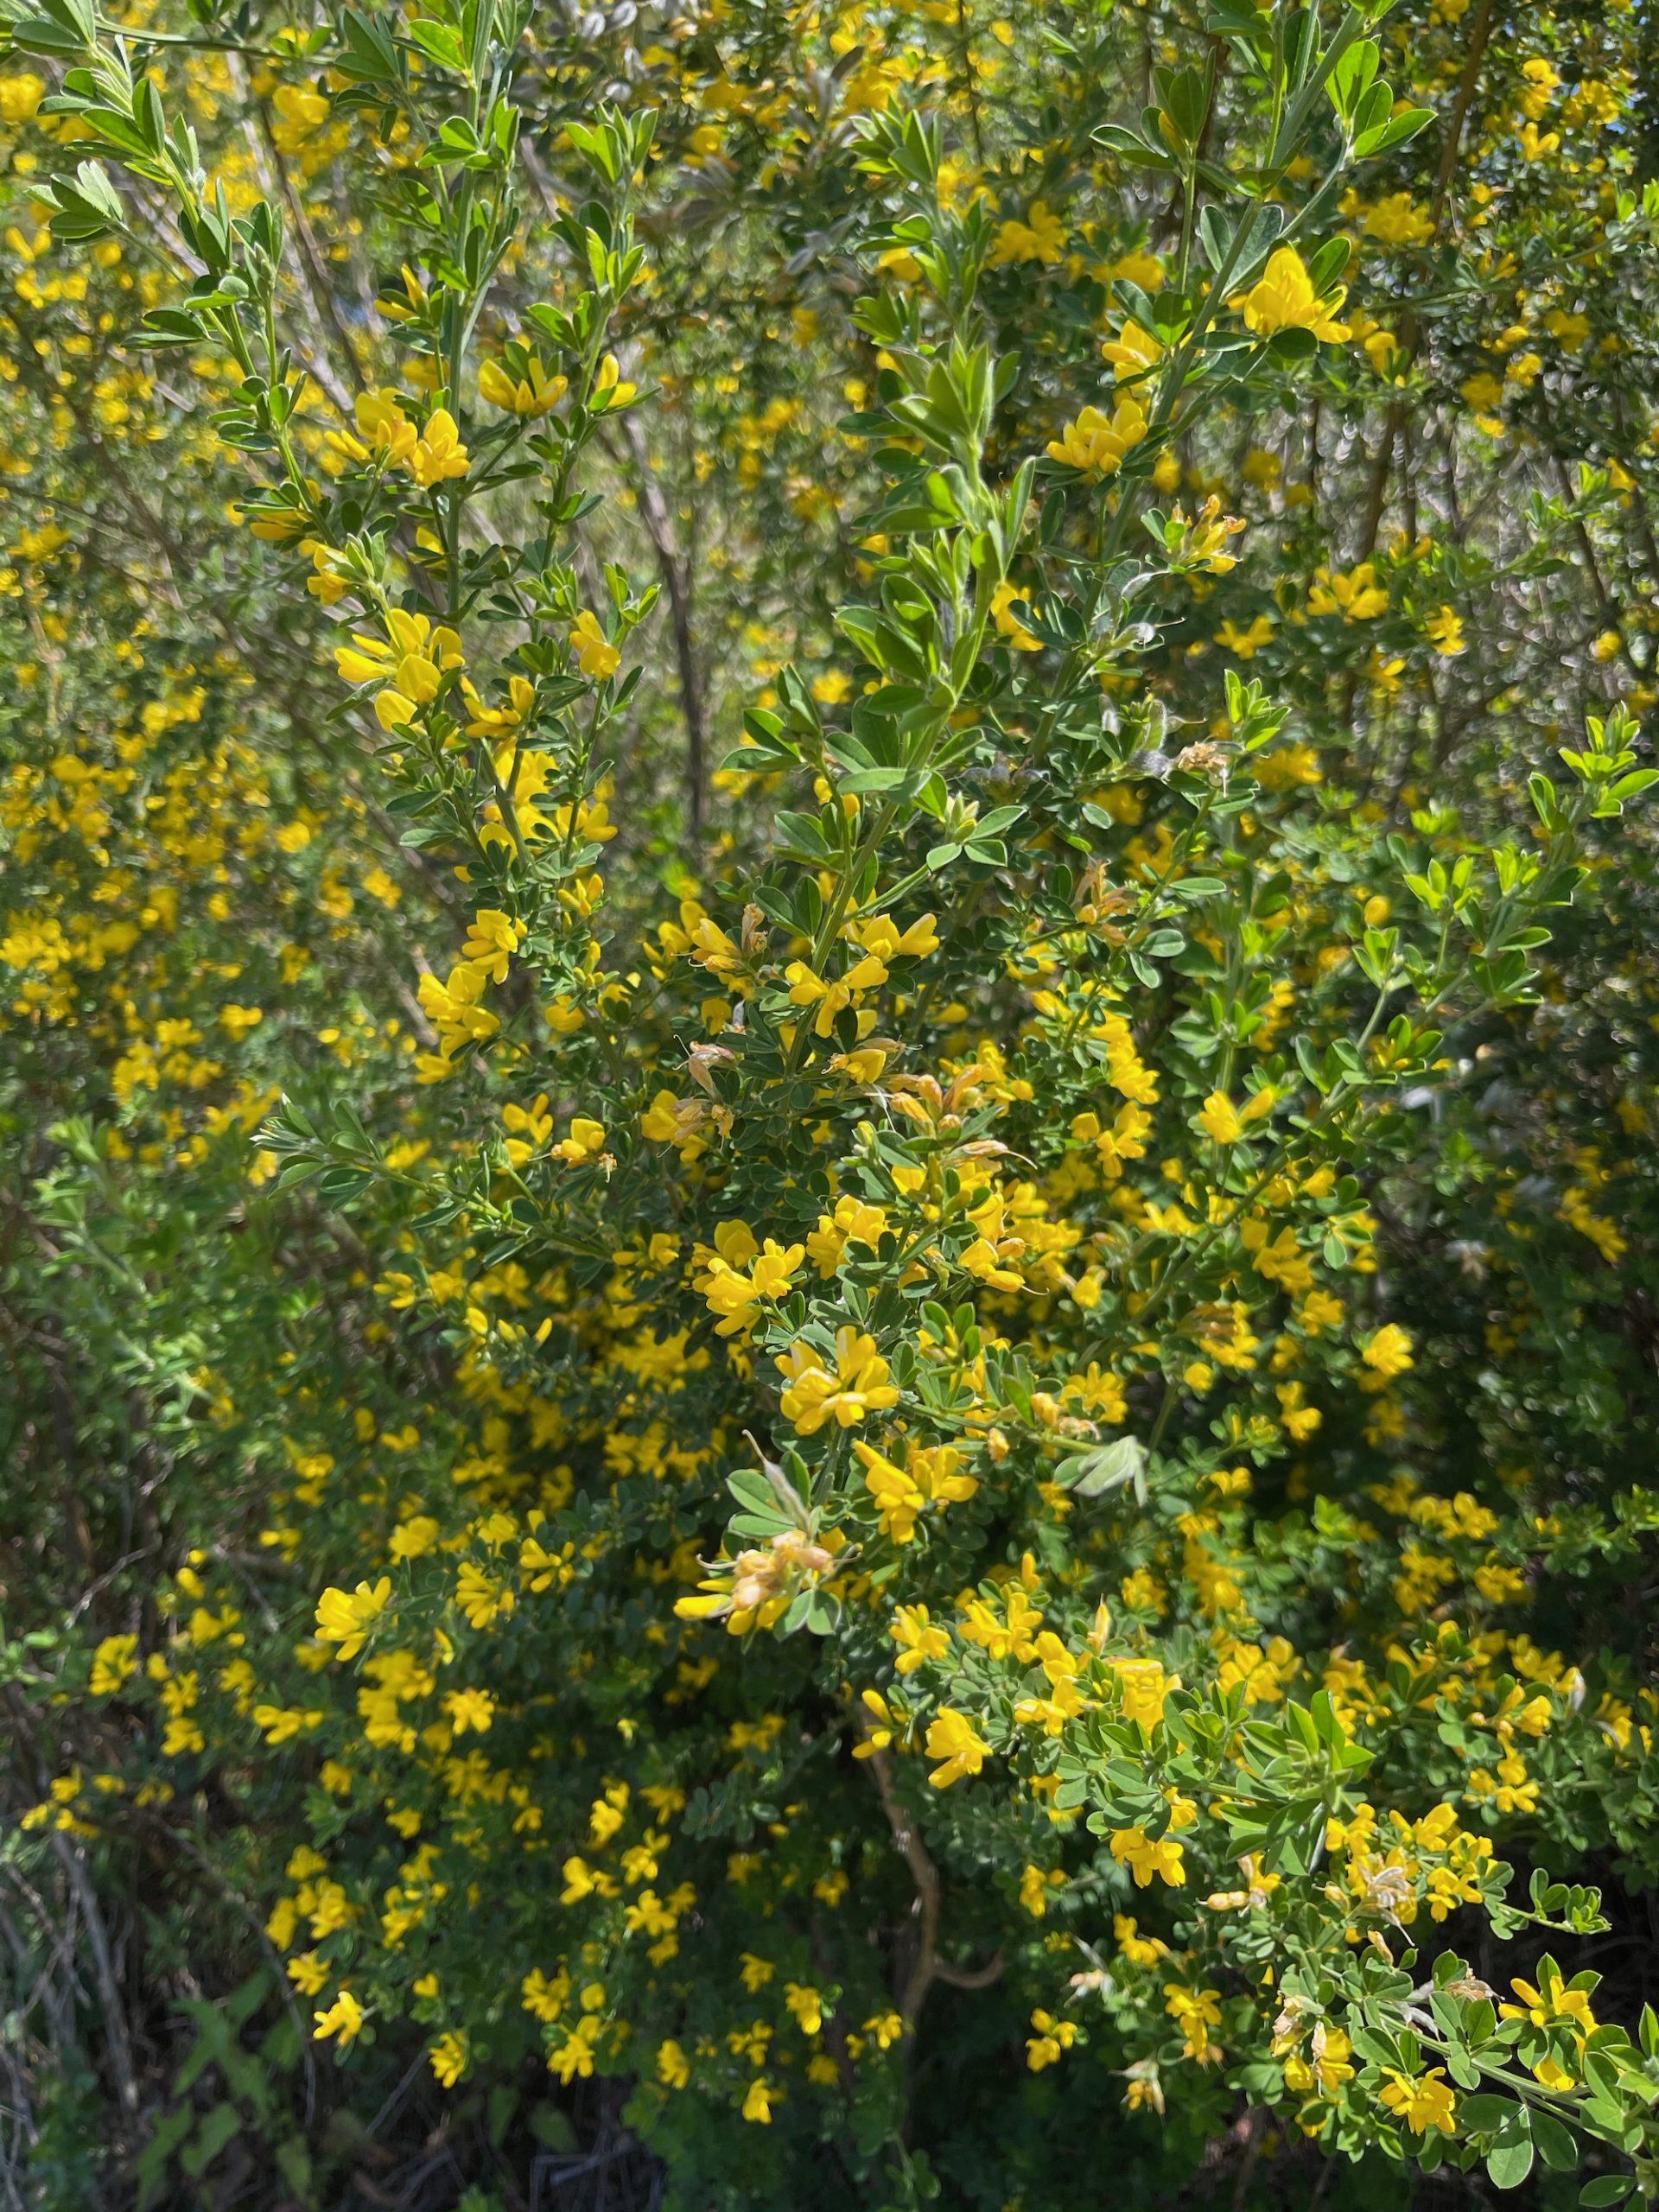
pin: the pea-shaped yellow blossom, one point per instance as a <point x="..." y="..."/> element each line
<point x="1146" y="1857"/>
<point x="1194" y="2011"/>
<point x="384" y="433"/>
<point x="813" y="1394"/>
<point x="438" y="452"/>
<point x="1550" y="2000"/>
<point x="19" y="97"/>
<point x="328" y="585"/>
<point x="1132" y="352"/>
<point x="114" y="1663"/>
<point x="449" y="2059"/>
<point x="470" y="1709"/>
<point x="345" y="1617"/>
<point x="343" y="2018"/>
<point x="757" y="2104"/>
<point x="410" y="661"/>
<point x="736" y="1297"/>
<point x="880" y="1728"/>
<point x="1145" y="1686"/>
<point x="954" y="1741"/>
<point x="1355" y="595"/>
<point x="1389" y="1353"/>
<point x="586" y="1141"/>
<point x="596" y="657"/>
<point x="920" y="1638"/>
<point x="521" y="386"/>
<point x="610" y="391"/>
<point x="492" y="936"/>
<point x="1226" y="1122"/>
<point x="672" y="2069"/>
<point x="1204" y="539"/>
<point x="1284" y="299"/>
<point x="1094" y="446"/>
<point x="1042" y="236"/>
<point x="681" y="1122"/>
<point x="900" y="1493"/>
<point x="1052" y="2037"/>
<point x="1422" y="2101"/>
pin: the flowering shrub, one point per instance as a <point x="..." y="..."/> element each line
<point x="869" y="1437"/>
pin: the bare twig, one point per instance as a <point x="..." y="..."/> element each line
<point x="675" y="572"/>
<point x="926" y="1967"/>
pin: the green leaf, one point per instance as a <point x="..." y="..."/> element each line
<point x="1093" y="1474"/>
<point x="1485" y="2115"/>
<point x="1396" y="133"/>
<point x="1555" y="2144"/>
<point x="1509" y="2164"/>
<point x="221" y="2125"/>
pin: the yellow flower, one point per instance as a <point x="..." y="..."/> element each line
<point x="473" y="1709"/>
<point x="953" y="1740"/>
<point x="1422" y="2101"/>
<point x="1388" y="1351"/>
<point x="1042" y="236"/>
<point x="1397" y="221"/>
<point x="921" y="1639"/>
<point x="596" y="655"/>
<point x="345" y="1617"/>
<point x="438" y="454"/>
<point x="114" y="1662"/>
<point x="521" y="386"/>
<point x="1132" y="352"/>
<point x="307" y="1973"/>
<point x="736" y="1297"/>
<point x="1357" y="596"/>
<point x="412" y="662"/>
<point x="1220" y="1118"/>
<point x="1096" y="446"/>
<point x="1053" y="2036"/>
<point x="585" y="1142"/>
<point x="757" y="2104"/>
<point x="1284" y="300"/>
<point x="1033" y="1892"/>
<point x="1145" y="1857"/>
<point x="448" y="2057"/>
<point x="19" y="97"/>
<point x="1445" y="631"/>
<point x="343" y="2018"/>
<point x="610" y="392"/>
<point x="492" y="939"/>
<point x="545" y="1999"/>
<point x="859" y="1384"/>
<point x="1226" y="1122"/>
<point x="1194" y="2011"/>
<point x="385" y="433"/>
<point x="1550" y="2000"/>
<point x="1145" y="1686"/>
<point x="413" y="1538"/>
<point x="754" y="1971"/>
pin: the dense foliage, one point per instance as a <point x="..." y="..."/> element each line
<point x="831" y="1071"/>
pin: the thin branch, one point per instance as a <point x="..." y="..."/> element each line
<point x="676" y="574"/>
<point x="908" y="1843"/>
